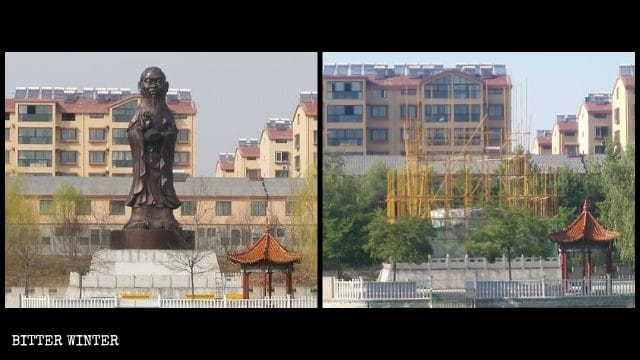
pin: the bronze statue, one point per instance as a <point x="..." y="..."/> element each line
<point x="152" y="135"/>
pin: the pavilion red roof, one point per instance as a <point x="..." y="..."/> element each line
<point x="585" y="226"/>
<point x="266" y="249"/>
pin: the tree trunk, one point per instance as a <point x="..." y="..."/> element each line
<point x="80" y="284"/>
<point x="26" y="282"/>
<point x="393" y="269"/>
<point x="509" y="261"/>
<point x="193" y="291"/>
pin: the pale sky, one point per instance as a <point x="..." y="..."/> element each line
<point x="553" y="82"/>
<point x="234" y="93"/>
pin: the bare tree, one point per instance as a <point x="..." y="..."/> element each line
<point x="202" y="213"/>
<point x="100" y="213"/>
<point x="70" y="204"/>
<point x="23" y="246"/>
<point x="193" y="262"/>
<point x="304" y="222"/>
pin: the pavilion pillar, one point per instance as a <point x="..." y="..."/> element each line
<point x="563" y="264"/>
<point x="287" y="283"/>
<point x="589" y="267"/>
<point x="264" y="283"/>
<point x="245" y="284"/>
<point x="609" y="266"/>
<point x="269" y="289"/>
<point x="584" y="264"/>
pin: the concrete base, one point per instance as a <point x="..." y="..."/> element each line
<point x="159" y="239"/>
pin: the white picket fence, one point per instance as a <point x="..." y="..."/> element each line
<point x="374" y="290"/>
<point x="602" y="286"/>
<point x="115" y="302"/>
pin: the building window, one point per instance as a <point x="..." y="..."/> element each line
<point x="600" y="115"/>
<point x="438" y="89"/>
<point x="496" y="111"/>
<point x="494" y="134"/>
<point x="296" y="141"/>
<point x="124" y="113"/>
<point x="46" y="207"/>
<point x="179" y="116"/>
<point x="464" y="88"/>
<point x="315" y="137"/>
<point x="99" y="174"/>
<point x="34" y="158"/>
<point x="379" y="93"/>
<point x="7" y="116"/>
<point x="68" y="117"/>
<point x="183" y="135"/>
<point x="7" y="156"/>
<point x="119" y="137"/>
<point x="495" y="91"/>
<point x="466" y="136"/>
<point x="344" y="90"/>
<point x="408" y="92"/>
<point x="602" y="131"/>
<point x="96" y="116"/>
<point x="378" y="135"/>
<point x="344" y="113"/>
<point x="96" y="157"/>
<point x="461" y="113"/>
<point x="599" y="149"/>
<point x="83" y="241"/>
<point x="282" y="156"/>
<point x="35" y="113"/>
<point x="188" y="208"/>
<point x="34" y="135"/>
<point x="68" y="134"/>
<point x="68" y="157"/>
<point x="344" y="137"/>
<point x="97" y="134"/>
<point x="83" y="207"/>
<point x="258" y="208"/>
<point x="223" y="208"/>
<point x="569" y="133"/>
<point x="116" y="207"/>
<point x="249" y="158"/>
<point x="46" y="240"/>
<point x="289" y="206"/>
<point x="121" y="159"/>
<point x="282" y="173"/>
<point x="181" y="157"/>
<point x="413" y="111"/>
<point x="379" y="112"/>
<point x="252" y="173"/>
<point x="7" y="134"/>
<point x="281" y="141"/>
<point x="95" y="237"/>
<point x="437" y="136"/>
<point x="616" y="116"/>
<point x="436" y="113"/>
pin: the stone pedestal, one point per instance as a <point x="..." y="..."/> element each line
<point x="158" y="239"/>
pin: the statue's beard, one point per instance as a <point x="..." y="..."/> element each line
<point x="154" y="98"/>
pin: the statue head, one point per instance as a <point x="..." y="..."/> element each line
<point x="153" y="83"/>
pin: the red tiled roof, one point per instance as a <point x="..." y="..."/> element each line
<point x="498" y="81"/>
<point x="585" y="226"/>
<point x="226" y="164"/>
<point x="629" y="81"/>
<point x="280" y="134"/>
<point x="591" y="107"/>
<point x="266" y="249"/>
<point x="544" y="140"/>
<point x="397" y="82"/>
<point x="9" y="105"/>
<point x="86" y="106"/>
<point x="567" y="125"/>
<point x="311" y="109"/>
<point x="250" y="151"/>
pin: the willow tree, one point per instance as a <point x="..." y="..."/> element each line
<point x="304" y="220"/>
<point x="23" y="246"/>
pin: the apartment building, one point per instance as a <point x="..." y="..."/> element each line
<point x="623" y="106"/>
<point x="564" y="139"/>
<point x="54" y="131"/>
<point x="224" y="166"/>
<point x="305" y="135"/>
<point x="366" y="108"/>
<point x="542" y="142"/>
<point x="276" y="143"/>
<point x="246" y="159"/>
<point x="594" y="123"/>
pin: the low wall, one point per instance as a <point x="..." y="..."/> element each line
<point x="627" y="301"/>
<point x="452" y="273"/>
